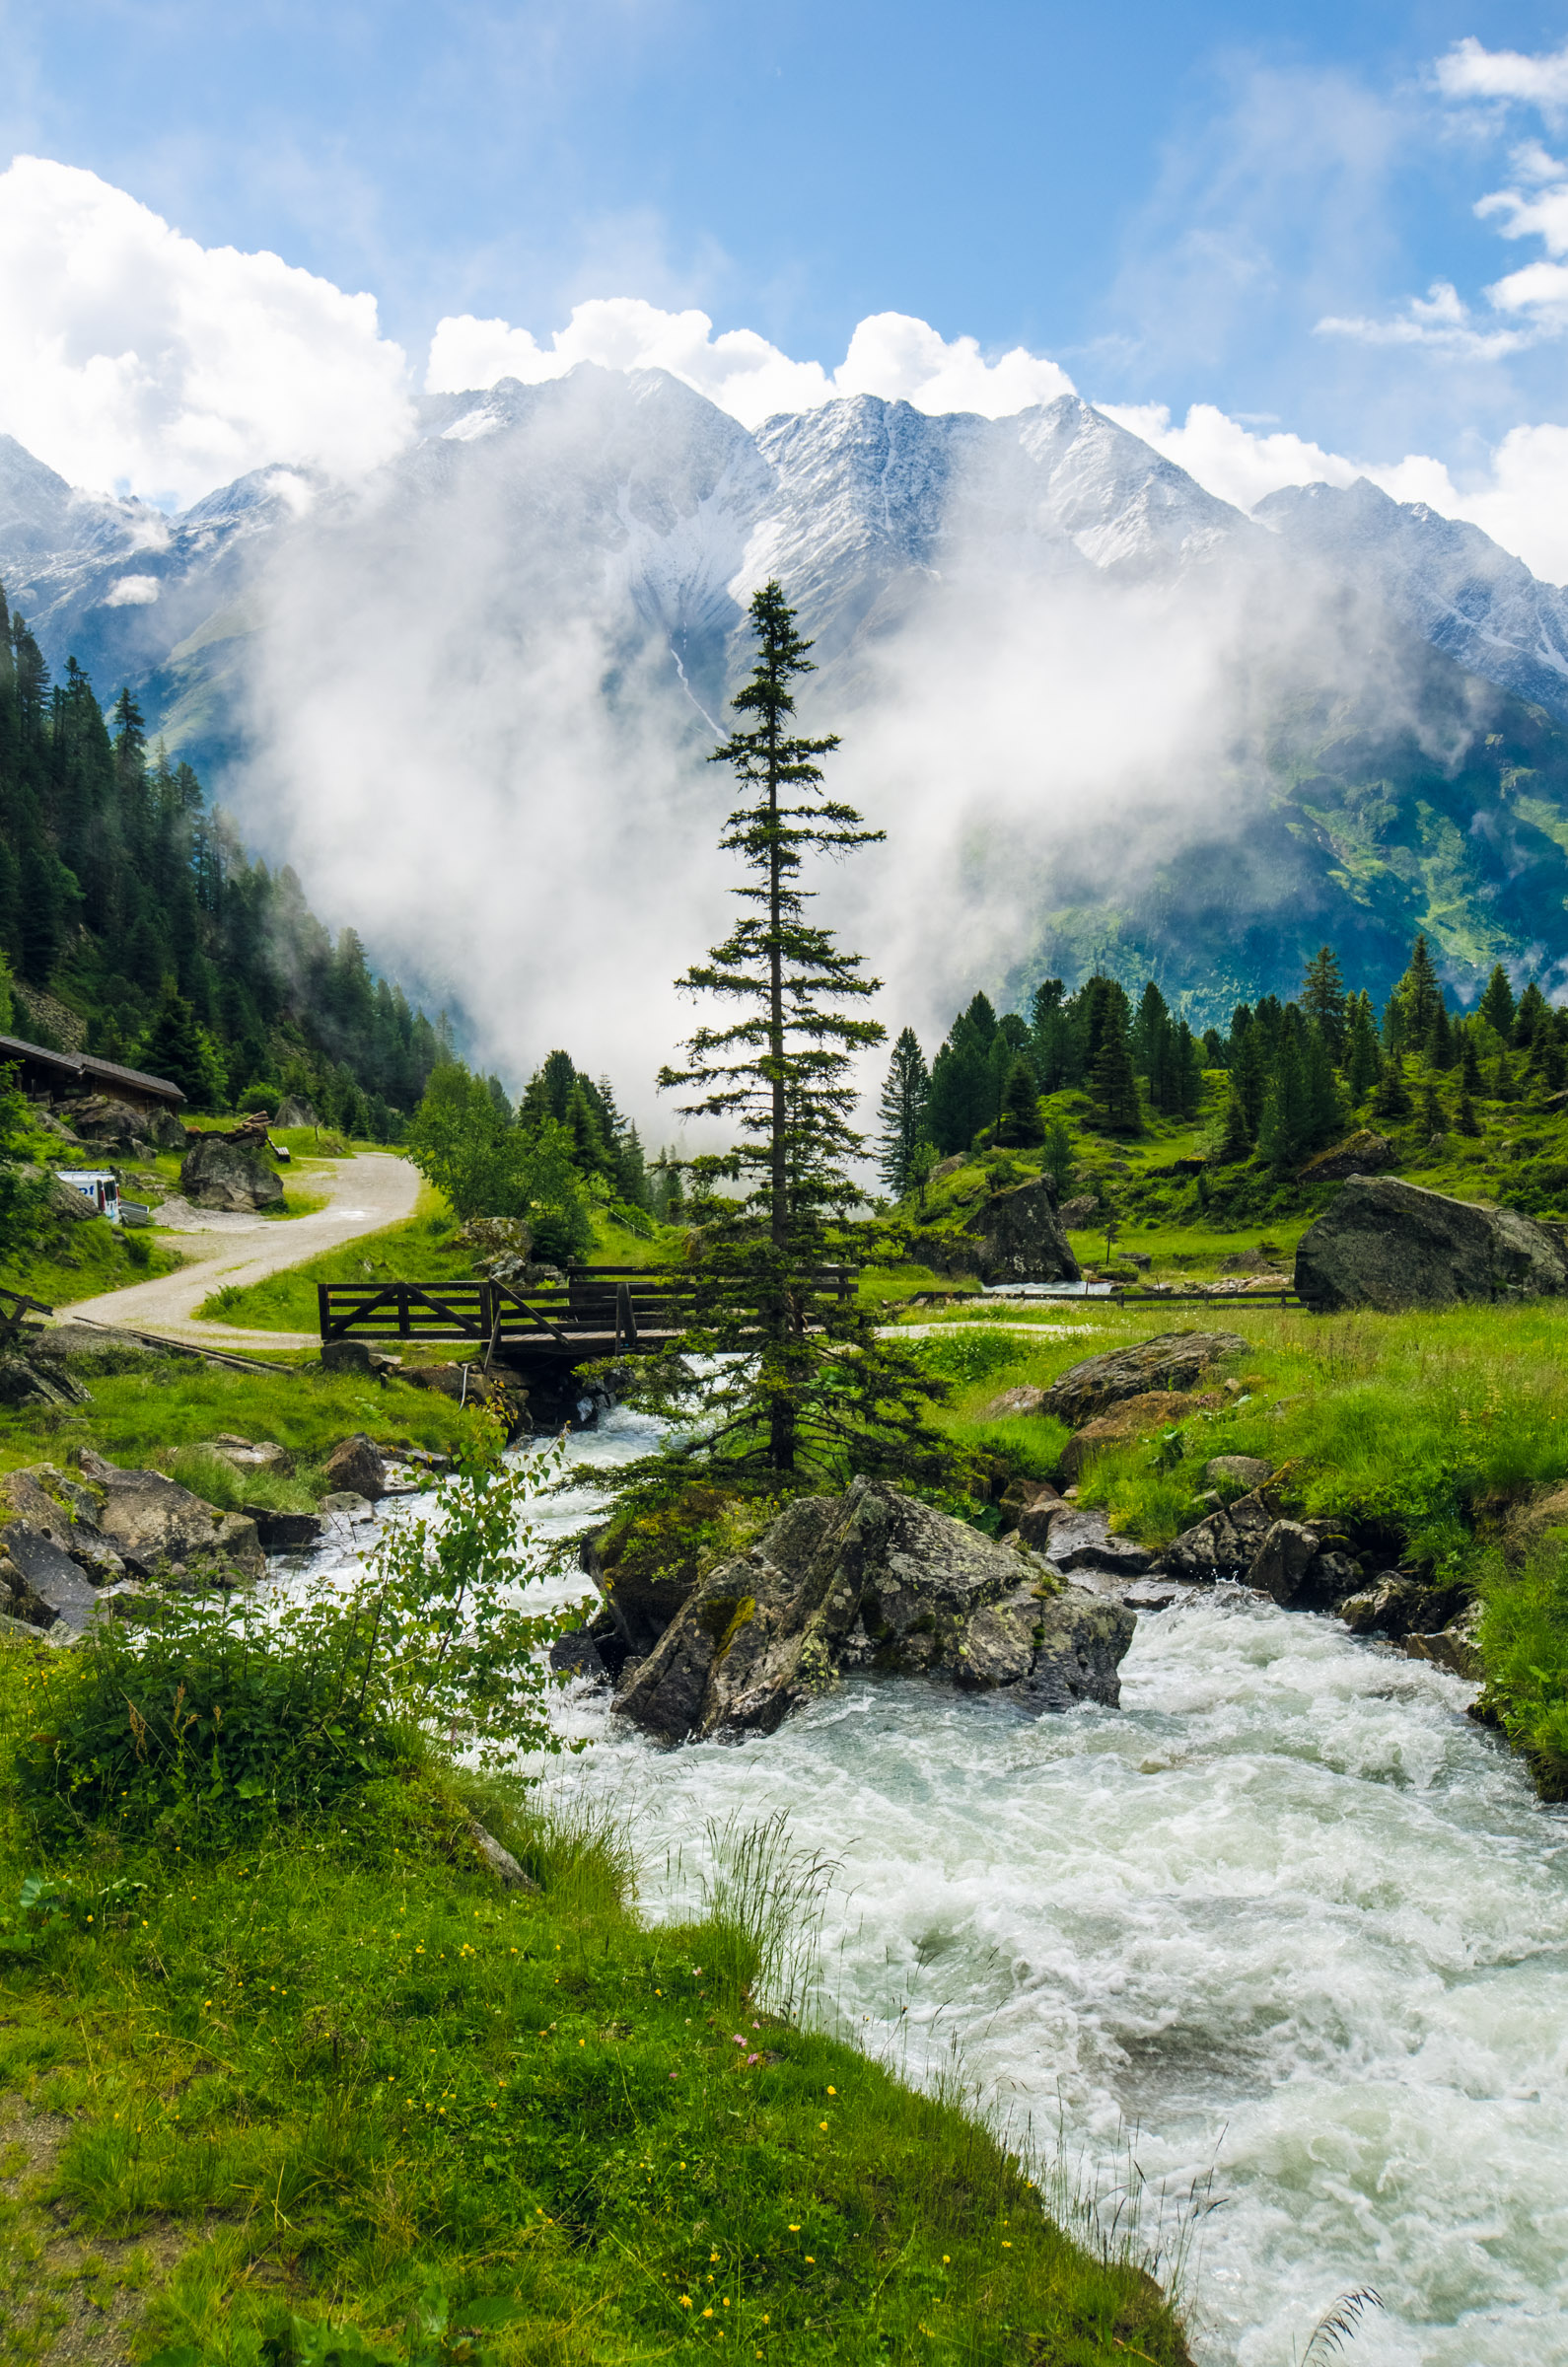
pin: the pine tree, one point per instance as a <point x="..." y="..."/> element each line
<point x="1187" y="1072"/>
<point x="1151" y="1034"/>
<point x="1323" y="998"/>
<point x="1392" y="1097"/>
<point x="1433" y="1121"/>
<point x="959" y="1101"/>
<point x="1363" y="1063"/>
<point x="1323" y="1110"/>
<point x="1497" y="1005"/>
<point x="1019" y="1127"/>
<point x="903" y="1111"/>
<point x="1470" y="1063"/>
<point x="1441" y="1045"/>
<point x="1283" y="1135"/>
<point x="1504" y="1086"/>
<point x="778" y="1375"/>
<point x="1420" y="994"/>
<point x="1050" y="1037"/>
<point x="1250" y="1068"/>
<point x="172" y="1047"/>
<point x="1115" y="1083"/>
<point x="1533" y="1009"/>
<point x="1058" y="1158"/>
<point x="1469" y="1122"/>
<point x="1236" y="1143"/>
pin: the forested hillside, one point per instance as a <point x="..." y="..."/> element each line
<point x="134" y="922"/>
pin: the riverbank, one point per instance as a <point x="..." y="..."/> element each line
<point x="338" y="2069"/>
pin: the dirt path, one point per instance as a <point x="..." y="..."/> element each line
<point x="366" y="1192"/>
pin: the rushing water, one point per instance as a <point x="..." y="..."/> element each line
<point x="1287" y="1916"/>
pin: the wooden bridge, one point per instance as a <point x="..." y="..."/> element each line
<point x="596" y="1311"/>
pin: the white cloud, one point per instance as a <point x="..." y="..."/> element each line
<point x="131" y="592"/>
<point x="1520" y="498"/>
<point x="131" y="356"/>
<point x="1471" y="72"/>
<point x="1439" y="319"/>
<point x="890" y="354"/>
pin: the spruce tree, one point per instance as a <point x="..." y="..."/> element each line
<point x="1433" y="1121"/>
<point x="1470" y="1062"/>
<point x="781" y="1376"/>
<point x="1250" y="1069"/>
<point x="1469" y="1122"/>
<point x="1151" y="1033"/>
<point x="902" y="1111"/>
<point x="1236" y="1143"/>
<point x="1019" y="1127"/>
<point x="1363" y="1063"/>
<point x="1420" y="994"/>
<point x="1323" y="998"/>
<point x="172" y="1047"/>
<point x="1187" y="1072"/>
<point x="1533" y="1009"/>
<point x="1283" y="1135"/>
<point x="1050" y="1035"/>
<point x="959" y="1101"/>
<point x="1392" y="1098"/>
<point x="1114" y="1083"/>
<point x="1497" y="1005"/>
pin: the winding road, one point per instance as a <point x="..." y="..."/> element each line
<point x="364" y="1194"/>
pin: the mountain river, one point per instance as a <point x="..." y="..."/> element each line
<point x="1287" y="1932"/>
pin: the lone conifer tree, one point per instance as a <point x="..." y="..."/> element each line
<point x="1113" y="1084"/>
<point x="903" y="1111"/>
<point x="777" y="1370"/>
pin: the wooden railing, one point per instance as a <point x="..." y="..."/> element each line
<point x="596" y="1311"/>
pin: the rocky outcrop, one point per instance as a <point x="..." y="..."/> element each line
<point x="1243" y="1471"/>
<point x="870" y="1580"/>
<point x="1387" y="1244"/>
<point x="1012" y="1236"/>
<point x="1252" y="1542"/>
<point x="70" y="1548"/>
<point x="355" y="1467"/>
<point x="158" y="1528"/>
<point x="1076" y="1214"/>
<point x="1135" y="1417"/>
<point x="1361" y="1154"/>
<point x="1173" y="1361"/>
<point x="292" y="1112"/>
<point x="216" y="1174"/>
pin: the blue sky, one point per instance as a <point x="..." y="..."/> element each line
<point x="1169" y="203"/>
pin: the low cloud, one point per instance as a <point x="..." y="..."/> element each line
<point x="1468" y="71"/>
<point x="890" y="354"/>
<point x="131" y="592"/>
<point x="134" y="359"/>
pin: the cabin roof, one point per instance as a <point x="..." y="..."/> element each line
<point x="86" y="1068"/>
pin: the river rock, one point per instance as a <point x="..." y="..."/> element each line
<point x="1173" y="1361"/>
<point x="156" y="1525"/>
<point x="870" y="1579"/>
<point x="577" y="1654"/>
<point x="227" y="1175"/>
<point x="1082" y="1541"/>
<point x="44" y="1586"/>
<point x="355" y="1467"/>
<point x="1455" y="1647"/>
<point x="1226" y="1543"/>
<point x="1047" y="1651"/>
<point x="1387" y="1244"/>
<point x="1392" y="1605"/>
<point x="253" y="1455"/>
<point x="1245" y="1471"/>
<point x="1282" y="1560"/>
<point x="1024" y="1400"/>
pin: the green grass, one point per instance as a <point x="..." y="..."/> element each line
<point x="163" y="1404"/>
<point x="326" y="2072"/>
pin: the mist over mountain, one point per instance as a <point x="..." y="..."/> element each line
<point x="1104" y="717"/>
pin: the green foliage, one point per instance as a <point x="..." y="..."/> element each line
<point x="1524" y="1640"/>
<point x="489" y="1166"/>
<point x="903" y="1113"/>
<point x="215" y="1713"/>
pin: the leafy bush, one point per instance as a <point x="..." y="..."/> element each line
<point x="262" y="1096"/>
<point x="221" y="1711"/>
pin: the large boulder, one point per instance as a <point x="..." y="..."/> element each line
<point x="1141" y="1417"/>
<point x="355" y="1467"/>
<point x="215" y="1174"/>
<point x="293" y="1111"/>
<point x="869" y="1580"/>
<point x="1014" y="1236"/>
<point x="157" y="1527"/>
<point x="106" y="1123"/>
<point x="1387" y="1244"/>
<point x="1173" y="1361"/>
<point x="1360" y="1154"/>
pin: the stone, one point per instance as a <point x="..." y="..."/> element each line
<point x="867" y="1580"/>
<point x="1082" y="1541"/>
<point x="226" y="1175"/>
<point x="45" y="1584"/>
<point x="64" y="1202"/>
<point x="496" y="1236"/>
<point x="292" y="1112"/>
<point x="1078" y="1216"/>
<point x="1157" y="1593"/>
<point x="344" y="1505"/>
<point x="1135" y="1417"/>
<point x="153" y="1524"/>
<point x="1035" y="1521"/>
<point x="1455" y="1647"/>
<point x="1387" y="1244"/>
<point x="1024" y="1400"/>
<point x="502" y="1864"/>
<point x="1047" y="1652"/>
<point x="1392" y="1605"/>
<point x="1021" y="1235"/>
<point x="1282" y="1560"/>
<point x="355" y="1466"/>
<point x="43" y="1500"/>
<point x="254" y="1455"/>
<point x="284" y="1532"/>
<point x="1361" y="1154"/>
<point x="1024" y="1495"/>
<point x="108" y="1125"/>
<point x="1225" y="1544"/>
<point x="347" y="1356"/>
<point x="1173" y="1360"/>
<point x="90" y="1348"/>
<point x="577" y="1654"/>
<point x="499" y="1387"/>
<point x="1245" y="1472"/>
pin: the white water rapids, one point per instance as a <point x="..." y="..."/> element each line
<point x="1287" y="1916"/>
